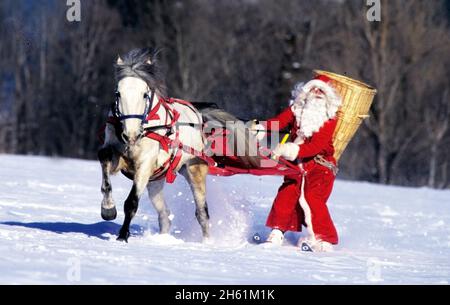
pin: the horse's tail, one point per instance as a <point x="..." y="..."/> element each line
<point x="242" y="141"/>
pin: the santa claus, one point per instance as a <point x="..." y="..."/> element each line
<point x="302" y="199"/>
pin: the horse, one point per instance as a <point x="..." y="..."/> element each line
<point x="149" y="138"/>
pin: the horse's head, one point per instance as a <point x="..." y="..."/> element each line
<point x="139" y="85"/>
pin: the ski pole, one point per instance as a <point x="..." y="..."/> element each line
<point x="285" y="138"/>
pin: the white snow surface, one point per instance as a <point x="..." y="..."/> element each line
<point x="51" y="232"/>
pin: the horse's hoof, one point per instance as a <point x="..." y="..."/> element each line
<point x="109" y="214"/>
<point x="123" y="237"/>
<point x="207" y="241"/>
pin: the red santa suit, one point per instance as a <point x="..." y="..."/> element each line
<point x="302" y="199"/>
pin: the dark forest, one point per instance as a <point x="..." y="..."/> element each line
<point x="57" y="80"/>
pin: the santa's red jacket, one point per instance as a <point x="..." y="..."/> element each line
<point x="301" y="200"/>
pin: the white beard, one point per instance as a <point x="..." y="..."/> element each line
<point x="310" y="114"/>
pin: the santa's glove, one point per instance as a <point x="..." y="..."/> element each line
<point x="288" y="151"/>
<point x="257" y="130"/>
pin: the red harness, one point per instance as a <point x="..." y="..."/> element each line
<point x="168" y="169"/>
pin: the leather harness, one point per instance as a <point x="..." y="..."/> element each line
<point x="168" y="169"/>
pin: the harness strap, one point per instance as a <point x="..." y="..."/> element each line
<point x="164" y="141"/>
<point x="210" y="161"/>
<point x="169" y="167"/>
<point x="153" y="115"/>
<point x="159" y="173"/>
<point x="171" y="174"/>
<point x="282" y="162"/>
<point x="180" y="147"/>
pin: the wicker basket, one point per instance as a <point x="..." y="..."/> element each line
<point x="357" y="98"/>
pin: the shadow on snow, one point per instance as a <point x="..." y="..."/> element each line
<point x="91" y="230"/>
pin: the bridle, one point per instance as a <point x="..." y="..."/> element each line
<point x="143" y="117"/>
<point x="117" y="114"/>
<point x="150" y="113"/>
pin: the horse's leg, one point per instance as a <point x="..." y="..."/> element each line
<point x="155" y="192"/>
<point x="105" y="156"/>
<point x="197" y="171"/>
<point x="141" y="178"/>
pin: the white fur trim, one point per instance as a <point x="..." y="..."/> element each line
<point x="305" y="207"/>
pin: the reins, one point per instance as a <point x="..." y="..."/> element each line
<point x="168" y="169"/>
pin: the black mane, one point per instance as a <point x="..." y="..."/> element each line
<point x="143" y="64"/>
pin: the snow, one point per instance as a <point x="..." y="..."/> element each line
<point x="51" y="232"/>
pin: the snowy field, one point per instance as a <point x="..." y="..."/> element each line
<point x="51" y="232"/>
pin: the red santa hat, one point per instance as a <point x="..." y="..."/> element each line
<point x="323" y="78"/>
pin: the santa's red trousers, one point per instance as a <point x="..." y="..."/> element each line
<point x="288" y="215"/>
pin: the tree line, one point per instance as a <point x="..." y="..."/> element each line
<point x="57" y="83"/>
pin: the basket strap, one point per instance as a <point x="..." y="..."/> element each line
<point x="319" y="159"/>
